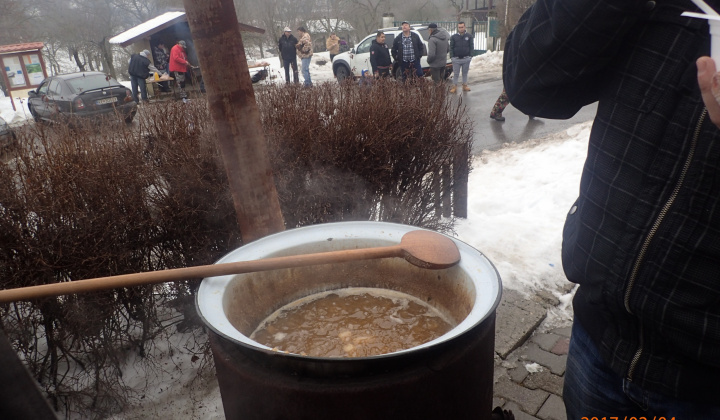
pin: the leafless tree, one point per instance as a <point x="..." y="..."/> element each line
<point x="509" y="12"/>
<point x="16" y="18"/>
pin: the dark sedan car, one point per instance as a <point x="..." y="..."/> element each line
<point x="84" y="94"/>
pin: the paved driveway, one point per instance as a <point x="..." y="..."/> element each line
<point x="491" y="134"/>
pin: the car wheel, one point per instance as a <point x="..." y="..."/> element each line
<point x="398" y="72"/>
<point x="342" y="72"/>
<point x="129" y="117"/>
<point x="34" y="114"/>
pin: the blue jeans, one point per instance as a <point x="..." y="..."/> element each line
<point x="136" y="82"/>
<point x="409" y="68"/>
<point x="591" y="389"/>
<point x="461" y="63"/>
<point x="306" y="71"/>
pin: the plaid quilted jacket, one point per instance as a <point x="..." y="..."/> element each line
<point x="643" y="238"/>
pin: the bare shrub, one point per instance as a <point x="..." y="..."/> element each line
<point x="380" y="152"/>
<point x="104" y="198"/>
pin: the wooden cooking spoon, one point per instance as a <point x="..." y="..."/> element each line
<point x="421" y="248"/>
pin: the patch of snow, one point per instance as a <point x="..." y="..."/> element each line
<point x="533" y="368"/>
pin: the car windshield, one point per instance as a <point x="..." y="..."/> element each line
<point x="90" y="82"/>
<point x="425" y="33"/>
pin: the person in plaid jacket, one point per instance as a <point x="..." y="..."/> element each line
<point x="643" y="238"/>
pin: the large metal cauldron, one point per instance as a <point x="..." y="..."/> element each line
<point x="450" y="377"/>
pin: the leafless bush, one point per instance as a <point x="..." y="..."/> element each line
<point x="380" y="152"/>
<point x="104" y="198"/>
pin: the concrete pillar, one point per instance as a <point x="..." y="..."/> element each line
<point x="387" y="20"/>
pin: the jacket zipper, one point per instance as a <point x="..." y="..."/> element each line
<point x="651" y="235"/>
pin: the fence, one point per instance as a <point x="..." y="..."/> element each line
<point x="479" y="30"/>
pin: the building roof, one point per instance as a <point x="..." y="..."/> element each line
<point x="28" y="46"/>
<point x="148" y="28"/>
<point x="159" y="23"/>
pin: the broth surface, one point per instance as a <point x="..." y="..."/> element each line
<point x="352" y="322"/>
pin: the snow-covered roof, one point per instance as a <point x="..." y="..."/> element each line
<point x="148" y="28"/>
<point x="159" y="23"/>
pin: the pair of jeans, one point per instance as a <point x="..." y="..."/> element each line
<point x="291" y="63"/>
<point x="460" y="63"/>
<point x="136" y="82"/>
<point x="306" y="71"/>
<point x="411" y="68"/>
<point x="591" y="389"/>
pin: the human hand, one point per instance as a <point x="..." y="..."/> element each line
<point x="709" y="82"/>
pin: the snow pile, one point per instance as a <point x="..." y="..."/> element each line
<point x="491" y="61"/>
<point x="20" y="114"/>
<point x="518" y="199"/>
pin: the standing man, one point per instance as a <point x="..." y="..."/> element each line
<point x="139" y="70"/>
<point x="642" y="239"/>
<point x="380" y="61"/>
<point x="286" y="45"/>
<point x="179" y="66"/>
<point x="333" y="45"/>
<point x="407" y="50"/>
<point x="461" y="48"/>
<point x="437" y="52"/>
<point x="161" y="62"/>
<point x="305" y="51"/>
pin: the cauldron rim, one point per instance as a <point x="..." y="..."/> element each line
<point x="471" y="258"/>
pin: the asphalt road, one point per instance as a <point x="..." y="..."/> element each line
<point x="517" y="127"/>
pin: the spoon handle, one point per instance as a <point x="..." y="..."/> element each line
<point x="201" y="271"/>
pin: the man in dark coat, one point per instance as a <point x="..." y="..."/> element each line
<point x="407" y="50"/>
<point x="438" y="47"/>
<point x="642" y="239"/>
<point x="286" y="45"/>
<point x="380" y="61"/>
<point x="461" y="49"/>
<point x="139" y="70"/>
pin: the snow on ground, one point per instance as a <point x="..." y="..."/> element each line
<point x="16" y="116"/>
<point x="517" y="201"/>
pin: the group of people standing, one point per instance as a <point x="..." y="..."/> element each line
<point x="408" y="48"/>
<point x="291" y="48"/>
<point x="176" y="63"/>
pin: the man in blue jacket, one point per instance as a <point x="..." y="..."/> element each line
<point x="461" y="49"/>
<point x="643" y="238"/>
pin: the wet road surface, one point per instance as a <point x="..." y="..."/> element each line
<point x="517" y="127"/>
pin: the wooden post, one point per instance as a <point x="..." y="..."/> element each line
<point x="460" y="182"/>
<point x="231" y="100"/>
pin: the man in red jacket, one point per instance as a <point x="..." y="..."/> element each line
<point x="179" y="65"/>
